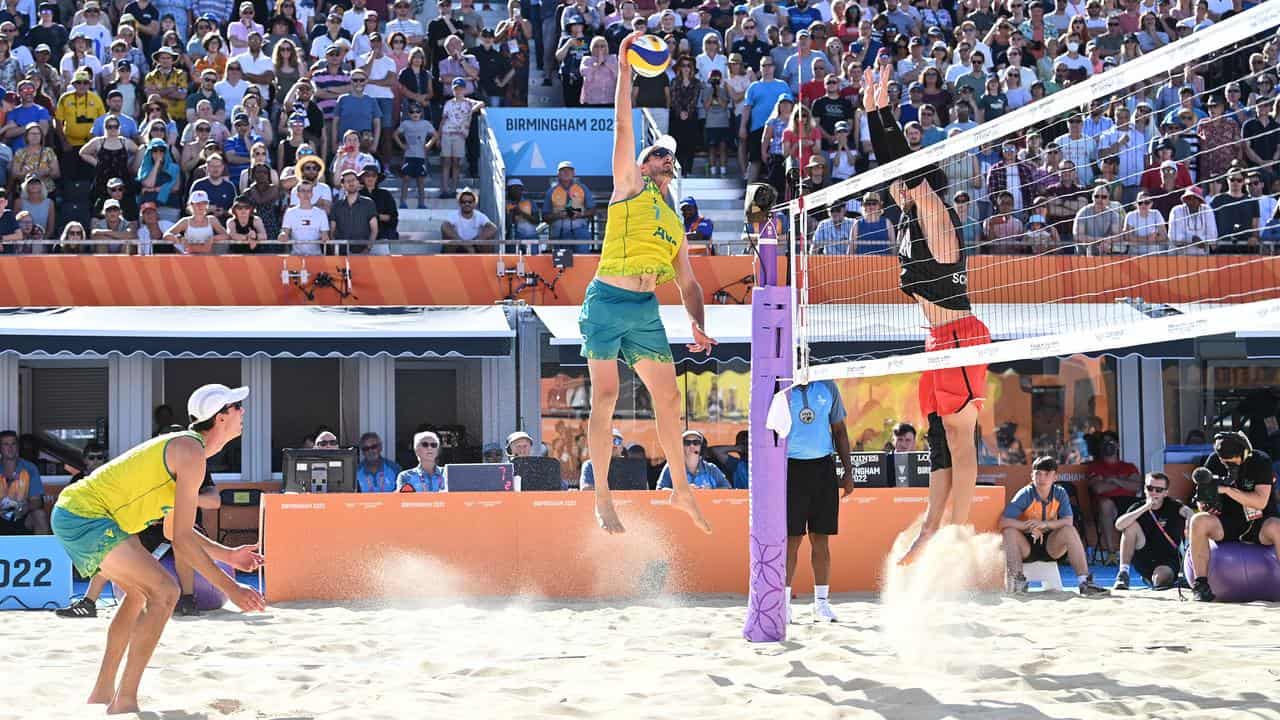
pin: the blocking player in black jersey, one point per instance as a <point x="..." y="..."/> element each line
<point x="934" y="276"/>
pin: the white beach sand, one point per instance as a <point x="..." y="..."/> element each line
<point x="1143" y="655"/>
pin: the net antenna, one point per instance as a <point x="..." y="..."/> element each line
<point x="852" y="320"/>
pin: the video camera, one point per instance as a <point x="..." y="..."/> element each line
<point x="1206" y="494"/>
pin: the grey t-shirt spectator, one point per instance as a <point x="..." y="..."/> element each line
<point x="416" y="134"/>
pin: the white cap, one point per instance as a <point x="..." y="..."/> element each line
<point x="518" y="435"/>
<point x="208" y="400"/>
<point x="665" y="141"/>
<point x="198" y="196"/>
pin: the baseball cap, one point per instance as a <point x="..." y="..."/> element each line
<point x="490" y="448"/>
<point x="842" y="126"/>
<point x="689" y="202"/>
<point x="565" y="164"/>
<point x="209" y="400"/>
<point x="371" y="168"/>
<point x="458" y="82"/>
<point x="939" y="45"/>
<point x="1193" y="192"/>
<point x="240" y="117"/>
<point x="115" y="182"/>
<point x="518" y="435"/>
<point x="741" y="9"/>
<point x="1035" y="219"/>
<point x="515" y="182"/>
<point x="692" y="433"/>
<point x="666" y="142"/>
<point x="44" y="47"/>
<point x="335" y="48"/>
<point x="198" y="196"/>
<point x="112" y="204"/>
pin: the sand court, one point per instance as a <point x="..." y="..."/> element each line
<point x="1048" y="655"/>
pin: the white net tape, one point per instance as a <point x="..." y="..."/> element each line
<point x="1086" y="328"/>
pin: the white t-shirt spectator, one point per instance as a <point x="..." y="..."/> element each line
<point x="98" y="34"/>
<point x="409" y="27"/>
<point x="706" y="65"/>
<point x="1080" y="62"/>
<point x="305" y="227"/>
<point x="69" y="69"/>
<point x="232" y="95"/>
<point x="146" y="243"/>
<point x="467" y="228"/>
<point x="379" y="70"/>
<point x="1144" y="227"/>
<point x="251" y="66"/>
<point x="322" y="193"/>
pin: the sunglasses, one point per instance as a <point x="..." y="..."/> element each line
<point x="428" y="444"/>
<point x="660" y="153"/>
<point x="113" y="126"/>
<point x="238" y="405"/>
<point x="368" y="448"/>
<point x="1157" y="489"/>
<point x="693" y="442"/>
<point x="95" y="457"/>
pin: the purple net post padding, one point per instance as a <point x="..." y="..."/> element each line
<point x="771" y="349"/>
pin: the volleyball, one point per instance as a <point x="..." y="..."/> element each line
<point x="649" y="56"/>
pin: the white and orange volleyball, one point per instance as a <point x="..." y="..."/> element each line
<point x="649" y="56"/>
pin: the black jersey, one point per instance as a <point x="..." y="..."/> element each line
<point x="943" y="284"/>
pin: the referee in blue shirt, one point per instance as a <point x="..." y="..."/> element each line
<point x="813" y="492"/>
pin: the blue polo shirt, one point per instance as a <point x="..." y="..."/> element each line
<point x="1027" y="505"/>
<point x="814" y="407"/>
<point x="798" y="19"/>
<point x="762" y="95"/>
<point x="707" y="476"/>
<point x="383" y="480"/>
<point x="421" y="480"/>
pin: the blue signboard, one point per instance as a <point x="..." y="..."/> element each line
<point x="35" y="573"/>
<point x="535" y="140"/>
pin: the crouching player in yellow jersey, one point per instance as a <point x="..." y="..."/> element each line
<point x="643" y="248"/>
<point x="98" y="518"/>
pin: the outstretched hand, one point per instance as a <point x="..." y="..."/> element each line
<point x="875" y="93"/>
<point x="624" y="63"/>
<point x="245" y="558"/>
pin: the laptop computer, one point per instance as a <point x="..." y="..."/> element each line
<point x="628" y="474"/>
<point x="538" y="473"/>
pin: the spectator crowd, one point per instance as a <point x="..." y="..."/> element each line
<point x="271" y="126"/>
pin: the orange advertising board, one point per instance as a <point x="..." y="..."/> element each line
<point x="342" y="547"/>
<point x="88" y="280"/>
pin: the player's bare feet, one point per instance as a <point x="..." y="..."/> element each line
<point x="921" y="540"/>
<point x="607" y="516"/>
<point x="684" y="501"/>
<point x="121" y="705"/>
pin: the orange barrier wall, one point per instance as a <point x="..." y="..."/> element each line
<point x="352" y="547"/>
<point x="55" y="280"/>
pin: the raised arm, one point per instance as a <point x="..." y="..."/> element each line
<point x="691" y="298"/>
<point x="626" y="174"/>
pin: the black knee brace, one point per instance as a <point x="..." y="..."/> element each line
<point x="939" y="451"/>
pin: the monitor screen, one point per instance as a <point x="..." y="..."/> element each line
<point x="479" y="477"/>
<point x="320" y="470"/>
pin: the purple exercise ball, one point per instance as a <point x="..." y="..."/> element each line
<point x="1241" y="572"/>
<point x="207" y="596"/>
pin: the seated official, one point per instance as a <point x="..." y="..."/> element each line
<point x="734" y="461"/>
<point x="1239" y="509"/>
<point x="702" y="474"/>
<point x="491" y="453"/>
<point x="897" y="462"/>
<point x="21" y="492"/>
<point x="587" y="480"/>
<point x="427" y="476"/>
<point x="519" y="444"/>
<point x="375" y="473"/>
<point x="1151" y="536"/>
<point x="1038" y="527"/>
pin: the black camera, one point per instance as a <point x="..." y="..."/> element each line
<point x="1206" y="494"/>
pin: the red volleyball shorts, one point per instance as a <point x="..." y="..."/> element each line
<point x="946" y="392"/>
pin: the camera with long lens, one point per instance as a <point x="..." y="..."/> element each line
<point x="1206" y="494"/>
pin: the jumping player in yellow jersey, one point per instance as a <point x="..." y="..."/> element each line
<point x="643" y="248"/>
<point x="98" y="519"/>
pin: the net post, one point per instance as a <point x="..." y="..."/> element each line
<point x="771" y="361"/>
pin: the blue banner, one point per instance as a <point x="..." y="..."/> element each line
<point x="35" y="573"/>
<point x="535" y="140"/>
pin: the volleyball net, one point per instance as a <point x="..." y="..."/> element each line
<point x="1119" y="211"/>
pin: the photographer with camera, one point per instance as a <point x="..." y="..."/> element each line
<point x="1233" y="497"/>
<point x="1151" y="536"/>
